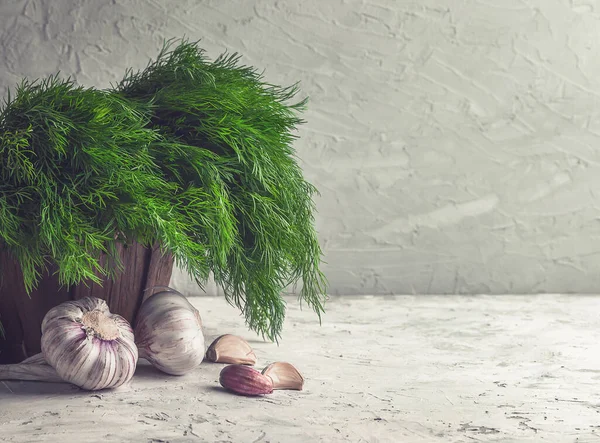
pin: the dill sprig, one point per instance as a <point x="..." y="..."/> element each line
<point x="192" y="154"/>
<point x="71" y="160"/>
<point x="226" y="109"/>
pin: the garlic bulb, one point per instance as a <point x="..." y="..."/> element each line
<point x="87" y="345"/>
<point x="168" y="333"/>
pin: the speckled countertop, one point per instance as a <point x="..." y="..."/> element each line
<point x="397" y="369"/>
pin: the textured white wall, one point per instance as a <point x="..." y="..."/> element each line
<point x="455" y="142"/>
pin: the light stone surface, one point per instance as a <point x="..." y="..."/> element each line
<point x="455" y="143"/>
<point x="427" y="369"/>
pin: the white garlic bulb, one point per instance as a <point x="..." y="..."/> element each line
<point x="87" y="345"/>
<point x="168" y="333"/>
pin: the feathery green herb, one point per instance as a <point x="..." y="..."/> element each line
<point x="193" y="154"/>
<point x="226" y="109"/>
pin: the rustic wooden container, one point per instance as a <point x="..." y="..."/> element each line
<point x="21" y="314"/>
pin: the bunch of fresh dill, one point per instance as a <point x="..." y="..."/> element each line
<point x="193" y="154"/>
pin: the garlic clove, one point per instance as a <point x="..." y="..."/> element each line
<point x="245" y="380"/>
<point x="231" y="349"/>
<point x="284" y="376"/>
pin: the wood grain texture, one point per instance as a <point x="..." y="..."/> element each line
<point x="22" y="315"/>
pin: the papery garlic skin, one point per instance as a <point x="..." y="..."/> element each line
<point x="232" y="349"/>
<point x="87" y="345"/>
<point x="284" y="376"/>
<point x="168" y="333"/>
<point x="245" y="380"/>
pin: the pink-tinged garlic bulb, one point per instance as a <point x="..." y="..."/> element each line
<point x="87" y="345"/>
<point x="168" y="333"/>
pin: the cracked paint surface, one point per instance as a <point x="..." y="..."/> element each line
<point x="455" y="143"/>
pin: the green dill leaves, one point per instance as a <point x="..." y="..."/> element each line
<point x="193" y="154"/>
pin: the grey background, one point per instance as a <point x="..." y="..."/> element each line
<point x="455" y="143"/>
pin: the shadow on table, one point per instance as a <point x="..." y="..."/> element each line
<point x="14" y="389"/>
<point x="144" y="373"/>
<point x="146" y="377"/>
